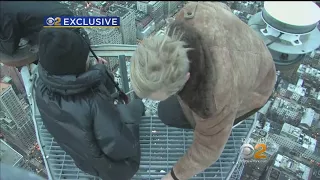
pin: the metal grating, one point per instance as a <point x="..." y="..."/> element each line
<point x="161" y="147"/>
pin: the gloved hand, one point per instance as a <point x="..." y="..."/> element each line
<point x="131" y="113"/>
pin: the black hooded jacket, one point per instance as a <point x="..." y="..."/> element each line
<point x="22" y="19"/>
<point x="102" y="138"/>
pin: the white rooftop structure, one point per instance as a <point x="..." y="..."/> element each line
<point x="304" y="69"/>
<point x="308" y="117"/>
<point x="289" y="29"/>
<point x="300" y="13"/>
<point x="309" y="143"/>
<point x="283" y="103"/>
<point x="267" y="127"/>
<point x="298" y="89"/>
<point x="292" y="130"/>
<point x="300" y="82"/>
<point x="293" y="146"/>
<point x="296" y="135"/>
<point x="278" y="160"/>
<point x="299" y="169"/>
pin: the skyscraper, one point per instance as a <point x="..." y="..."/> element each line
<point x="155" y="9"/>
<point x="170" y="7"/>
<point x="16" y="124"/>
<point x="13" y="73"/>
<point x="128" y="24"/>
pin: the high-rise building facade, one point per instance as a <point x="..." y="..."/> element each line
<point x="155" y="9"/>
<point x="128" y="24"/>
<point x="13" y="73"/>
<point x="170" y="7"/>
<point x="142" y="6"/>
<point x="104" y="36"/>
<point x="16" y="124"/>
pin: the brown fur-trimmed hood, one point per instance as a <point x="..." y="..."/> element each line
<point x="202" y="71"/>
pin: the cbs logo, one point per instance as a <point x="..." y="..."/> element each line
<point x="53" y="21"/>
<point x="248" y="151"/>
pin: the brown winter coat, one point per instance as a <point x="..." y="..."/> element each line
<point x="232" y="73"/>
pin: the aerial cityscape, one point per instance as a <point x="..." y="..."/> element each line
<point x="289" y="123"/>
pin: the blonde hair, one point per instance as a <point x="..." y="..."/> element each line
<point x="160" y="63"/>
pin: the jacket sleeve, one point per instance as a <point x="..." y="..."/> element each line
<point x="115" y="139"/>
<point x="208" y="144"/>
<point x="9" y="36"/>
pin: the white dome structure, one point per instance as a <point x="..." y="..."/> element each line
<point x="289" y="29"/>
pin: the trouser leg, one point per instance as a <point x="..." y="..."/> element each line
<point x="171" y="114"/>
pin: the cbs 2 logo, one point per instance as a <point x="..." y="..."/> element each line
<point x="248" y="151"/>
<point x="54" y="21"/>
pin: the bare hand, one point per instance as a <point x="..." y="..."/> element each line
<point x="102" y="61"/>
<point x="167" y="177"/>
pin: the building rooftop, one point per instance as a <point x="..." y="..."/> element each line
<point x="6" y="79"/>
<point x="301" y="138"/>
<point x="117" y="10"/>
<point x="8" y="155"/>
<point x="95" y="12"/>
<point x="274" y="174"/>
<point x="267" y="127"/>
<point x="300" y="170"/>
<point x="127" y="4"/>
<point x="140" y="15"/>
<point x="289" y="129"/>
<point x="279" y="103"/>
<point x="308" y="117"/>
<point x="298" y="88"/>
<point x="3" y="86"/>
<point x="305" y="69"/>
<point x="145" y="21"/>
<point x="309" y="143"/>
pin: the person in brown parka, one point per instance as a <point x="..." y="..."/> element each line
<point x="210" y="71"/>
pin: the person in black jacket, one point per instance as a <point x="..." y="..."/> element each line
<point x="24" y="19"/>
<point x="77" y="109"/>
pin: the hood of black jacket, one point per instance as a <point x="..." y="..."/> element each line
<point x="73" y="84"/>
